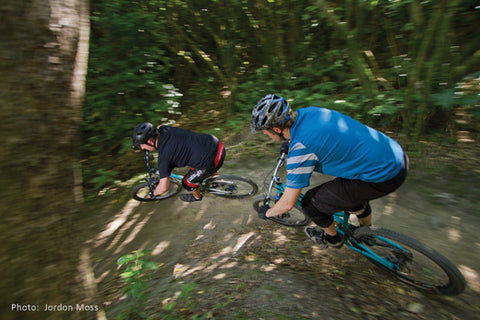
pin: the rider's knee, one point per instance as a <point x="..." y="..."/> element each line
<point x="187" y="185"/>
<point x="361" y="211"/>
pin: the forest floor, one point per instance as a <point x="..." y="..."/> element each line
<point x="217" y="260"/>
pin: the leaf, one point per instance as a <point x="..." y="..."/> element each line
<point x="125" y="259"/>
<point x="444" y="99"/>
<point x="127" y="274"/>
<point x="149" y="265"/>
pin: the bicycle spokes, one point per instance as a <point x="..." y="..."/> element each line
<point x="222" y="187"/>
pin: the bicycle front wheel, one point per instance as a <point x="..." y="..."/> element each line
<point x="142" y="191"/>
<point x="292" y="218"/>
<point x="411" y="261"/>
<point x="231" y="186"/>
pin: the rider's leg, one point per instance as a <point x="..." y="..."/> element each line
<point x="322" y="202"/>
<point x="331" y="230"/>
<point x="190" y="183"/>
<point x="363" y="213"/>
<point x="197" y="194"/>
<point x="367" y="221"/>
<point x="327" y="236"/>
<point x="192" y="180"/>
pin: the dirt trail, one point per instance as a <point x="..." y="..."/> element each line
<point x="245" y="268"/>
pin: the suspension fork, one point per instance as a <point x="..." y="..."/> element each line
<point x="275" y="180"/>
<point x="149" y="171"/>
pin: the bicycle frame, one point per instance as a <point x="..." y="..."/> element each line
<point x="277" y="183"/>
<point x="150" y="172"/>
<point x="344" y="228"/>
<point x="152" y="180"/>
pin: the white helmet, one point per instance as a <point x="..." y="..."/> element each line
<point x="270" y="111"/>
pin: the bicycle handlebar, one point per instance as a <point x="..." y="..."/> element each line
<point x="284" y="147"/>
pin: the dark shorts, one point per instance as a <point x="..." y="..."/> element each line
<point x="194" y="176"/>
<point x="339" y="194"/>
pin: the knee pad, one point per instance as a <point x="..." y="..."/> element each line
<point x="188" y="185"/>
<point x="361" y="211"/>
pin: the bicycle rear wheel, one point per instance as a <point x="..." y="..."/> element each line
<point x="231" y="186"/>
<point x="411" y="261"/>
<point x="142" y="191"/>
<point x="293" y="218"/>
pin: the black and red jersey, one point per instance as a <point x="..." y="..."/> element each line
<point x="180" y="148"/>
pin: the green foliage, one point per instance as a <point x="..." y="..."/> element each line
<point x="388" y="104"/>
<point x="184" y="301"/>
<point x="127" y="83"/>
<point x="136" y="279"/>
<point x="126" y="78"/>
<point x="449" y="98"/>
<point x="184" y="306"/>
<point x="103" y="178"/>
<point x="207" y="64"/>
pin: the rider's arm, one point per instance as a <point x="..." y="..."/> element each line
<point x="285" y="203"/>
<point x="162" y="186"/>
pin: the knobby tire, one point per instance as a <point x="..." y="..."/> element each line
<point x="141" y="191"/>
<point x="423" y="268"/>
<point x="231" y="186"/>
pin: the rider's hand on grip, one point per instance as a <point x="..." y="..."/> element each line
<point x="262" y="212"/>
<point x="284" y="147"/>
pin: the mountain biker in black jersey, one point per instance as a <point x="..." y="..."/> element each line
<point x="176" y="148"/>
<point x="366" y="163"/>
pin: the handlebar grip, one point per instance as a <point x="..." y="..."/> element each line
<point x="284" y="147"/>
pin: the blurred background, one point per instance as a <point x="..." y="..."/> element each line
<point x="78" y="76"/>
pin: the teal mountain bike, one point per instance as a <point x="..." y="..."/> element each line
<point x="227" y="186"/>
<point x="409" y="260"/>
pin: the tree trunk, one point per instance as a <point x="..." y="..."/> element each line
<point x="43" y="55"/>
<point x="356" y="59"/>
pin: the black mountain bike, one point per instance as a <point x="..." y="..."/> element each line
<point x="227" y="186"/>
<point x="409" y="260"/>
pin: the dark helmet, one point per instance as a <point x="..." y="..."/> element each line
<point x="142" y="133"/>
<point x="270" y="111"/>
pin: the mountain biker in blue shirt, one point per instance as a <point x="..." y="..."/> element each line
<point x="367" y="164"/>
<point x="176" y="148"/>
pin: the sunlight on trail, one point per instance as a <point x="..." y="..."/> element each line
<point x="229" y="250"/>
<point x="87" y="274"/>
<point x="390" y="205"/>
<point x="471" y="276"/>
<point x="210" y="225"/>
<point x="133" y="233"/>
<point x="122" y="230"/>
<point x="280" y="238"/>
<point x="455" y="235"/>
<point x="220" y="245"/>
<point x="181" y="270"/>
<point x="117" y="222"/>
<point x="121" y="225"/>
<point x="160" y="248"/>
